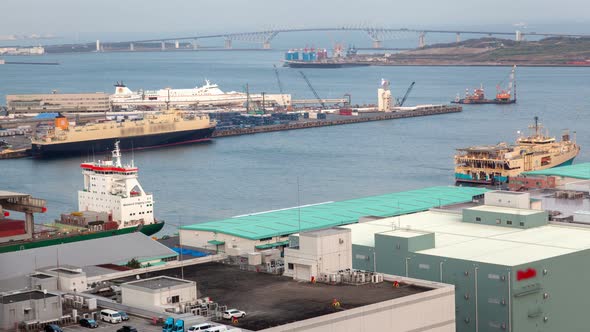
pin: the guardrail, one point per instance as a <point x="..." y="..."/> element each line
<point x="168" y="265"/>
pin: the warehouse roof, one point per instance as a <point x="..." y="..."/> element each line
<point x="112" y="249"/>
<point x="491" y="244"/>
<point x="579" y="171"/>
<point x="159" y="282"/>
<point x="505" y="210"/>
<point x="292" y="220"/>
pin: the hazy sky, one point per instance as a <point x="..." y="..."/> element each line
<point x="68" y="17"/>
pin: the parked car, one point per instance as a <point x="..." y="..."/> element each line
<point x="219" y="328"/>
<point x="127" y="328"/>
<point x="52" y="328"/>
<point x="124" y="316"/>
<point x="91" y="323"/>
<point x="233" y="313"/>
<point x="200" y="327"/>
<point x="110" y="316"/>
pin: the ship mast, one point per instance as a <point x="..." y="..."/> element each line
<point x="117" y="155"/>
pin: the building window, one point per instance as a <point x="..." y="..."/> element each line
<point x="290" y="266"/>
<point x="508" y="222"/>
<point x="175" y="299"/>
<point x="477" y="219"/>
<point x="498" y="221"/>
<point x="522" y="223"/>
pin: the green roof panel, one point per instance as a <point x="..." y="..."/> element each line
<point x="578" y="171"/>
<point x="310" y="217"/>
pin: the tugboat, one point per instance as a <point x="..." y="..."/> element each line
<point x="495" y="164"/>
<point x="112" y="202"/>
<point x="503" y="96"/>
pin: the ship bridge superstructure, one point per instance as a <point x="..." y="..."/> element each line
<point x="110" y="186"/>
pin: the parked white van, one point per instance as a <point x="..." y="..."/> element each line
<point x="110" y="316"/>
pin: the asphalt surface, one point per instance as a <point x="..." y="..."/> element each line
<point x="142" y="325"/>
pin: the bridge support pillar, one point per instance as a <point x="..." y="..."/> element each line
<point x="176" y="44"/>
<point x="266" y="45"/>
<point x="131" y="47"/>
<point x="458" y="37"/>
<point x="163" y="46"/>
<point x="227" y="43"/>
<point x="29" y="223"/>
<point x="422" y="40"/>
<point x="195" y="44"/>
<point x="98" y="45"/>
<point x="518" y="36"/>
<point x="377" y="44"/>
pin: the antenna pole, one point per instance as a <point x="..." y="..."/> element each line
<point x="298" y="205"/>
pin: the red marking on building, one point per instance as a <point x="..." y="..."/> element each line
<point x="526" y="274"/>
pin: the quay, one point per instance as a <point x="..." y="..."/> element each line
<point x="419" y="111"/>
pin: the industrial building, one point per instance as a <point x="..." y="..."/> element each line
<point x="275" y="303"/>
<point x="32" y="306"/>
<point x="117" y="250"/>
<point x="318" y="252"/>
<point x="160" y="292"/>
<point x="244" y="234"/>
<point x="512" y="269"/>
<point x="58" y="102"/>
<point x="572" y="177"/>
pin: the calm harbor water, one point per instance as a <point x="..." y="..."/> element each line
<point x="246" y="174"/>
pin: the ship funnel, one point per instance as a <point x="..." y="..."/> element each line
<point x="61" y="122"/>
<point x="121" y="89"/>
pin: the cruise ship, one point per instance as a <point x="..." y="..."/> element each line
<point x="206" y="95"/>
<point x="495" y="164"/>
<point x="111" y="202"/>
<point x="169" y="127"/>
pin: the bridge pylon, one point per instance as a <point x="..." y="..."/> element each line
<point x="163" y="46"/>
<point x="227" y="43"/>
<point x="422" y="39"/>
<point x="266" y="45"/>
<point x="458" y="37"/>
<point x="377" y="44"/>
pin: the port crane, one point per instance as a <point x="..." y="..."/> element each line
<point x="312" y="89"/>
<point x="280" y="86"/>
<point x="403" y="100"/>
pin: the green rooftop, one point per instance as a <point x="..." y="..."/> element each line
<point x="578" y="171"/>
<point x="286" y="221"/>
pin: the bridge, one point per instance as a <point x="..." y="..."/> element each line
<point x="264" y="38"/>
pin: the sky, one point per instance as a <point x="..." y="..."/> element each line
<point x="109" y="18"/>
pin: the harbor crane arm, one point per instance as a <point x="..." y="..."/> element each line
<point x="312" y="89"/>
<point x="401" y="103"/>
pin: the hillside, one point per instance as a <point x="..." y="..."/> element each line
<point x="494" y="51"/>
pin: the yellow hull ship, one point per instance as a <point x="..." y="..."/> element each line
<point x="494" y="164"/>
<point x="154" y="130"/>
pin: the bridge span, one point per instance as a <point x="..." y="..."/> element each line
<point x="264" y="38"/>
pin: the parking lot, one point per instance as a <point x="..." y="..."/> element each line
<point x="142" y="325"/>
